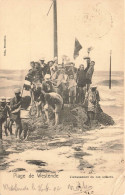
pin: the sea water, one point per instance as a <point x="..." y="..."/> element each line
<point x="112" y="100"/>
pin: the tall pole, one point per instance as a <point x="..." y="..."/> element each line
<point x="5" y="45"/>
<point x="55" y="29"/>
<point x="110" y="71"/>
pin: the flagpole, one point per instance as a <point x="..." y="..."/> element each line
<point x="55" y="29"/>
<point x="110" y="71"/>
<point x="88" y="53"/>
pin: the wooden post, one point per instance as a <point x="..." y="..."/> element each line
<point x="55" y="29"/>
<point x="5" y="41"/>
<point x="110" y="81"/>
<point x="5" y="45"/>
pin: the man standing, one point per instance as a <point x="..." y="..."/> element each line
<point x="31" y="74"/>
<point x="53" y="100"/>
<point x="15" y="105"/>
<point x="29" y="79"/>
<point x="3" y="113"/>
<point x="38" y="73"/>
<point x="45" y="67"/>
<point x="81" y="83"/>
<point x="42" y="60"/>
<point x="89" y="73"/>
<point x="88" y="60"/>
<point x="8" y="122"/>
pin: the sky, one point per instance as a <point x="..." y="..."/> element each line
<point x="29" y="31"/>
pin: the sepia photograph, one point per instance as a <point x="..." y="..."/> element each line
<point x="62" y="97"/>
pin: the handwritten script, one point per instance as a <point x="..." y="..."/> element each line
<point x="77" y="188"/>
<point x="81" y="188"/>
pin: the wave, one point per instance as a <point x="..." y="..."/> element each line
<point x="111" y="104"/>
<point x="18" y="85"/>
<point x="12" y="78"/>
<point x="108" y="99"/>
<point x="113" y="82"/>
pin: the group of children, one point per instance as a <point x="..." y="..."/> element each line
<point x="52" y="85"/>
<point x="65" y="79"/>
<point x="74" y="85"/>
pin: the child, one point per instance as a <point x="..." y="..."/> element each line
<point x="9" y="122"/>
<point x="91" y="105"/>
<point x="72" y="89"/>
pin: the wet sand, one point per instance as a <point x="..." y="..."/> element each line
<point x="67" y="152"/>
<point x="99" y="150"/>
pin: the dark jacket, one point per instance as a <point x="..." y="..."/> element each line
<point x="38" y="75"/>
<point x="46" y="69"/>
<point x="31" y="75"/>
<point x="81" y="78"/>
<point x="89" y="73"/>
<point x="4" y="110"/>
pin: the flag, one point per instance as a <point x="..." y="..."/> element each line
<point x="77" y="48"/>
<point x="90" y="49"/>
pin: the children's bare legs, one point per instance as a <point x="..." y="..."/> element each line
<point x="56" y="118"/>
<point x="10" y="127"/>
<point x="88" y="86"/>
<point x="91" y="116"/>
<point x="46" y="113"/>
<point x="18" y="128"/>
<point x="57" y="111"/>
<point x="5" y="127"/>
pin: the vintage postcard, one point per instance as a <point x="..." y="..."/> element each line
<point x="62" y="97"/>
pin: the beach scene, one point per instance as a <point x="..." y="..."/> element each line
<point x="62" y="78"/>
<point x="92" y="151"/>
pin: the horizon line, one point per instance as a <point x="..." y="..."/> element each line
<point x="28" y="69"/>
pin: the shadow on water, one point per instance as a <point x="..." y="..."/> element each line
<point x="79" y="154"/>
<point x="17" y="170"/>
<point x="3" y="157"/>
<point x="44" y="171"/>
<point x="36" y="162"/>
<point x="84" y="164"/>
<point x="113" y="146"/>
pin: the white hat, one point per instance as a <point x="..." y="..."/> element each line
<point x="42" y="58"/>
<point x="47" y="76"/>
<point x="8" y="99"/>
<point x="93" y="86"/>
<point x="17" y="90"/>
<point x="2" y="99"/>
<point x="55" y="58"/>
